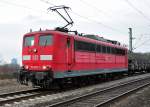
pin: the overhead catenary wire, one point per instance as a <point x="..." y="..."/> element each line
<point x="97" y="9"/>
<point x="22" y="6"/>
<point x="94" y="7"/>
<point x="87" y="18"/>
<point x="143" y="43"/>
<point x="18" y="5"/>
<point x="145" y="17"/>
<point x="81" y="16"/>
<point x="146" y="3"/>
<point x="95" y="21"/>
<point x="138" y="10"/>
<point x="139" y="39"/>
<point x="47" y="1"/>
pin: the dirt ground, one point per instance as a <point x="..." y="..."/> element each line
<point x="139" y="99"/>
<point x="6" y="82"/>
<point x="11" y="85"/>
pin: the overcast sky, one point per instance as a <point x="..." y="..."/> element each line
<point x="108" y="18"/>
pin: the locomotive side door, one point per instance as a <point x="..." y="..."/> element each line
<point x="69" y="52"/>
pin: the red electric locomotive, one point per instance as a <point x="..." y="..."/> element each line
<point x="55" y="55"/>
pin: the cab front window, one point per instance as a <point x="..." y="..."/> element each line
<point x="45" y="40"/>
<point x="29" y="41"/>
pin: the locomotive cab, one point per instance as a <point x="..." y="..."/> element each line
<point x="37" y="58"/>
<point x="37" y="50"/>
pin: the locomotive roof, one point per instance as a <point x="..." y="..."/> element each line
<point x="77" y="37"/>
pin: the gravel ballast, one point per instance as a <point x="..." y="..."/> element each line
<point x="48" y="99"/>
<point x="139" y="99"/>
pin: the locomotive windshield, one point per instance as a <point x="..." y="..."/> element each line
<point x="45" y="40"/>
<point x="29" y="41"/>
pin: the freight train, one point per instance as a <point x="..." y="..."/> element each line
<point x="57" y="56"/>
<point x="138" y="62"/>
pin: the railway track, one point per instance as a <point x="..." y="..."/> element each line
<point x="9" y="98"/>
<point x="104" y="97"/>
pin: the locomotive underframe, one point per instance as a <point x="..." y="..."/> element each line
<point x="43" y="79"/>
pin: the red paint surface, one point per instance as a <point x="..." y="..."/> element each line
<point x="65" y="58"/>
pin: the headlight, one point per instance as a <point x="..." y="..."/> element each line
<point x="34" y="50"/>
<point x="44" y="67"/>
<point x="26" y="67"/>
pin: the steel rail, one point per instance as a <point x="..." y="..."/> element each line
<point x="18" y="92"/>
<point x="9" y="98"/>
<point x="92" y="94"/>
<point x="117" y="98"/>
